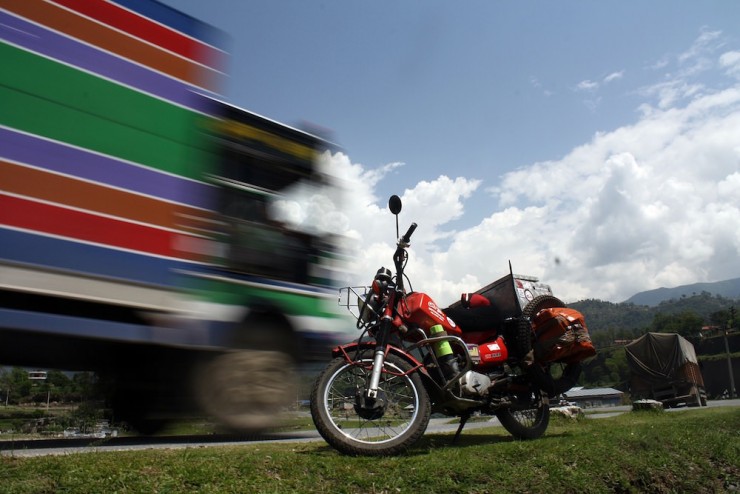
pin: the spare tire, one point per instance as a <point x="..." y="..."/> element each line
<point x="522" y="344"/>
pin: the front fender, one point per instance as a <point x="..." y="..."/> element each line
<point x="347" y="351"/>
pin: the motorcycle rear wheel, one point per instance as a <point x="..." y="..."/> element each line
<point x="529" y="415"/>
<point x="345" y="421"/>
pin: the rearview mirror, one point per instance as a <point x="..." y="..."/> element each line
<point x="394" y="204"/>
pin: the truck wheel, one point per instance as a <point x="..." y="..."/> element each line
<point x="247" y="390"/>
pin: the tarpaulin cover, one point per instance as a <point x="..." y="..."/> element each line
<point x="659" y="355"/>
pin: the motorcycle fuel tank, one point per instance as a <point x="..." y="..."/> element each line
<point x="420" y="309"/>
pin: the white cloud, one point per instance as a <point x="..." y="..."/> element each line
<point x="647" y="205"/>
<point x="587" y="85"/>
<point x="655" y="203"/>
<point x="539" y="86"/>
<point x="730" y="61"/>
<point x="661" y="64"/>
<point x="682" y="83"/>
<point x="707" y="42"/>
<point x="671" y="92"/>
<point x="593" y="101"/>
<point x="614" y="76"/>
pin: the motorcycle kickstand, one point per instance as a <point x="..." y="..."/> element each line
<point x="463" y="420"/>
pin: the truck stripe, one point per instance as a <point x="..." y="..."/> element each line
<point x="149" y="132"/>
<point x="58" y="253"/>
<point x="139" y="26"/>
<point x="89" y="31"/>
<point x="35" y="38"/>
<point x="52" y="282"/>
<point x="74" y="161"/>
<point x="51" y="187"/>
<point x="174" y="19"/>
<point x="68" y="326"/>
<point x="69" y="223"/>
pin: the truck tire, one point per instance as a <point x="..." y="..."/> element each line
<point x="248" y="388"/>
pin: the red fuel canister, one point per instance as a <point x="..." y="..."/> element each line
<point x="493" y="352"/>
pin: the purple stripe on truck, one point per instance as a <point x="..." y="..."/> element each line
<point x="55" y="156"/>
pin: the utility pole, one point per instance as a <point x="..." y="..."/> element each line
<point x="730" y="325"/>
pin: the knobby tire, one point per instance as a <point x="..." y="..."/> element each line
<point x="352" y="431"/>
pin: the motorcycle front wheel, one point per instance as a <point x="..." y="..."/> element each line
<point x="356" y="425"/>
<point x="528" y="416"/>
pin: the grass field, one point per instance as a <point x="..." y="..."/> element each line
<point x="690" y="451"/>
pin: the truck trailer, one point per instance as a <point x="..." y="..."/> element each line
<point x="665" y="368"/>
<point x="135" y="234"/>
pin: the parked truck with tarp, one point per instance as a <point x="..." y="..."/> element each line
<point x="135" y="239"/>
<point x="665" y="368"/>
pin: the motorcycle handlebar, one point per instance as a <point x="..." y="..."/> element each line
<point x="407" y="236"/>
<point x="400" y="255"/>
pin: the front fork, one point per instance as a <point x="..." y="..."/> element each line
<point x="379" y="358"/>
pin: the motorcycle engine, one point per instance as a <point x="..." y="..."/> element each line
<point x="474" y="383"/>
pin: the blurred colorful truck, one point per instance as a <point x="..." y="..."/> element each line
<point x="134" y="234"/>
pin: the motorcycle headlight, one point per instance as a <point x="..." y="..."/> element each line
<point x="369" y="310"/>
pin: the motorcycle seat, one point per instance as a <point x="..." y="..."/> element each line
<point x="475" y="319"/>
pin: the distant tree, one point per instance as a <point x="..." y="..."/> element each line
<point x="686" y="323"/>
<point x="59" y="385"/>
<point x="618" y="368"/>
<point x="719" y="318"/>
<point x="4" y="386"/>
<point x="18" y="385"/>
<point x="602" y="339"/>
<point x="86" y="415"/>
<point x="83" y="386"/>
<point x="594" y="371"/>
<point x="607" y="369"/>
<point x="601" y="316"/>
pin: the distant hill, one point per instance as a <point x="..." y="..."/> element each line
<point x="728" y="289"/>
<point x="601" y="315"/>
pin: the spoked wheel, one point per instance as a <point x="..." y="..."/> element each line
<point x="528" y="416"/>
<point x="357" y="425"/>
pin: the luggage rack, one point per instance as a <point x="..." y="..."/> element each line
<point x="353" y="299"/>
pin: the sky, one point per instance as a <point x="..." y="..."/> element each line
<point x="595" y="145"/>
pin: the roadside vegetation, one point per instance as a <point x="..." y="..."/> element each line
<point x="689" y="451"/>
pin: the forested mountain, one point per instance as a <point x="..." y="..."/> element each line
<point x="705" y="308"/>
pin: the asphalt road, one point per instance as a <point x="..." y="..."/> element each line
<point x="42" y="447"/>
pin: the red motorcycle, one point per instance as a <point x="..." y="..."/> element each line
<point x="503" y="351"/>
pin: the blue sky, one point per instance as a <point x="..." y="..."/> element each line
<point x="578" y="139"/>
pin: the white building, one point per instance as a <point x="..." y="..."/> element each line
<point x="594" y="397"/>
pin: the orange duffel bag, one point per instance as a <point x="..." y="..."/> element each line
<point x="560" y="335"/>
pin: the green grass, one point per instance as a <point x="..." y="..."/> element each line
<point x="689" y="451"/>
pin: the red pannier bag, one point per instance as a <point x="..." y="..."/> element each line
<point x="560" y="335"/>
